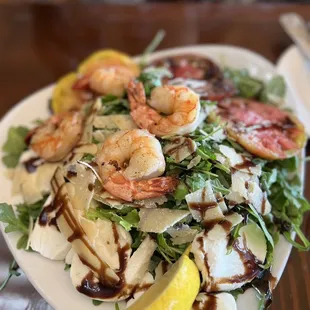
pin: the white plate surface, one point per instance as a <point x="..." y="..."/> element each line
<point x="48" y="277"/>
<point x="296" y="71"/>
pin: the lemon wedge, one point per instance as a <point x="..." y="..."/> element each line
<point x="64" y="97"/>
<point x="108" y="58"/>
<point x="176" y="289"/>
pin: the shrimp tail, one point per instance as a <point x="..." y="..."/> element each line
<point x="143" y="189"/>
<point x="155" y="187"/>
<point x="136" y="94"/>
<point x="82" y="83"/>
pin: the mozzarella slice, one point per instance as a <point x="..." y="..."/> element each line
<point x="33" y="186"/>
<point x="158" y="220"/>
<point x="46" y="239"/>
<point x="221" y="301"/>
<point x="205" y="205"/>
<point x="222" y="271"/>
<point x="145" y="283"/>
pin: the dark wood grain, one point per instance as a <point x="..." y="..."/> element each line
<point x="40" y="43"/>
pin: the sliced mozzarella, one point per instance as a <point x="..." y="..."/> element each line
<point x="255" y="240"/>
<point x="205" y="205"/>
<point x="46" y="239"/>
<point x="158" y="220"/>
<point x="180" y="148"/>
<point x="69" y="225"/>
<point x="101" y="235"/>
<point x="181" y="234"/>
<point x="222" y="271"/>
<point x="145" y="283"/>
<point x="33" y="186"/>
<point x="221" y="301"/>
<point x="139" y="261"/>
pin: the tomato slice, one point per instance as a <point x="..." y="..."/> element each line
<point x="263" y="130"/>
<point x="210" y="84"/>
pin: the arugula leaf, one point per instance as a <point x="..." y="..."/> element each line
<point x="114" y="105"/>
<point x="262" y="224"/>
<point x="67" y="267"/>
<point x="88" y="158"/>
<point x="127" y="220"/>
<point x="8" y="216"/>
<point x="181" y="191"/>
<point x="247" y="86"/>
<point x="14" y="146"/>
<point x="13" y="271"/>
<point x="287" y="200"/>
<point x="19" y="221"/>
<point x="116" y="306"/>
<point x="195" y="181"/>
<point x="274" y="90"/>
<point x="167" y="251"/>
<point x="97" y="302"/>
<point x="151" y="78"/>
<point x="233" y="236"/>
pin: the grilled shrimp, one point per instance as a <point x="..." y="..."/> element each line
<point x="179" y="104"/>
<point x="54" y="139"/>
<point x="111" y="80"/>
<point x="130" y="163"/>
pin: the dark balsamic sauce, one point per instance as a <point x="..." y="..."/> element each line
<point x="209" y="304"/>
<point x="32" y="164"/>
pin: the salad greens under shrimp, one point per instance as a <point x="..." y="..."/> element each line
<point x="209" y="192"/>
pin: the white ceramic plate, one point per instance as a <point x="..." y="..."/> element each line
<point x="49" y="277"/>
<point x="296" y="71"/>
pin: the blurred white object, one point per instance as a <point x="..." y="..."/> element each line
<point x="296" y="27"/>
<point x="296" y="71"/>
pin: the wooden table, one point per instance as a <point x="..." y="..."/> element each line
<point x="39" y="43"/>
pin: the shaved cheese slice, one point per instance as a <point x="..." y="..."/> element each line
<point x="158" y="220"/>
<point x="221" y="301"/>
<point x="180" y="148"/>
<point x="204" y="204"/>
<point x="46" y="239"/>
<point x="139" y="261"/>
<point x="181" y="234"/>
<point x="258" y="198"/>
<point x="82" y="185"/>
<point x="233" y="158"/>
<point x="238" y="161"/>
<point x="118" y="122"/>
